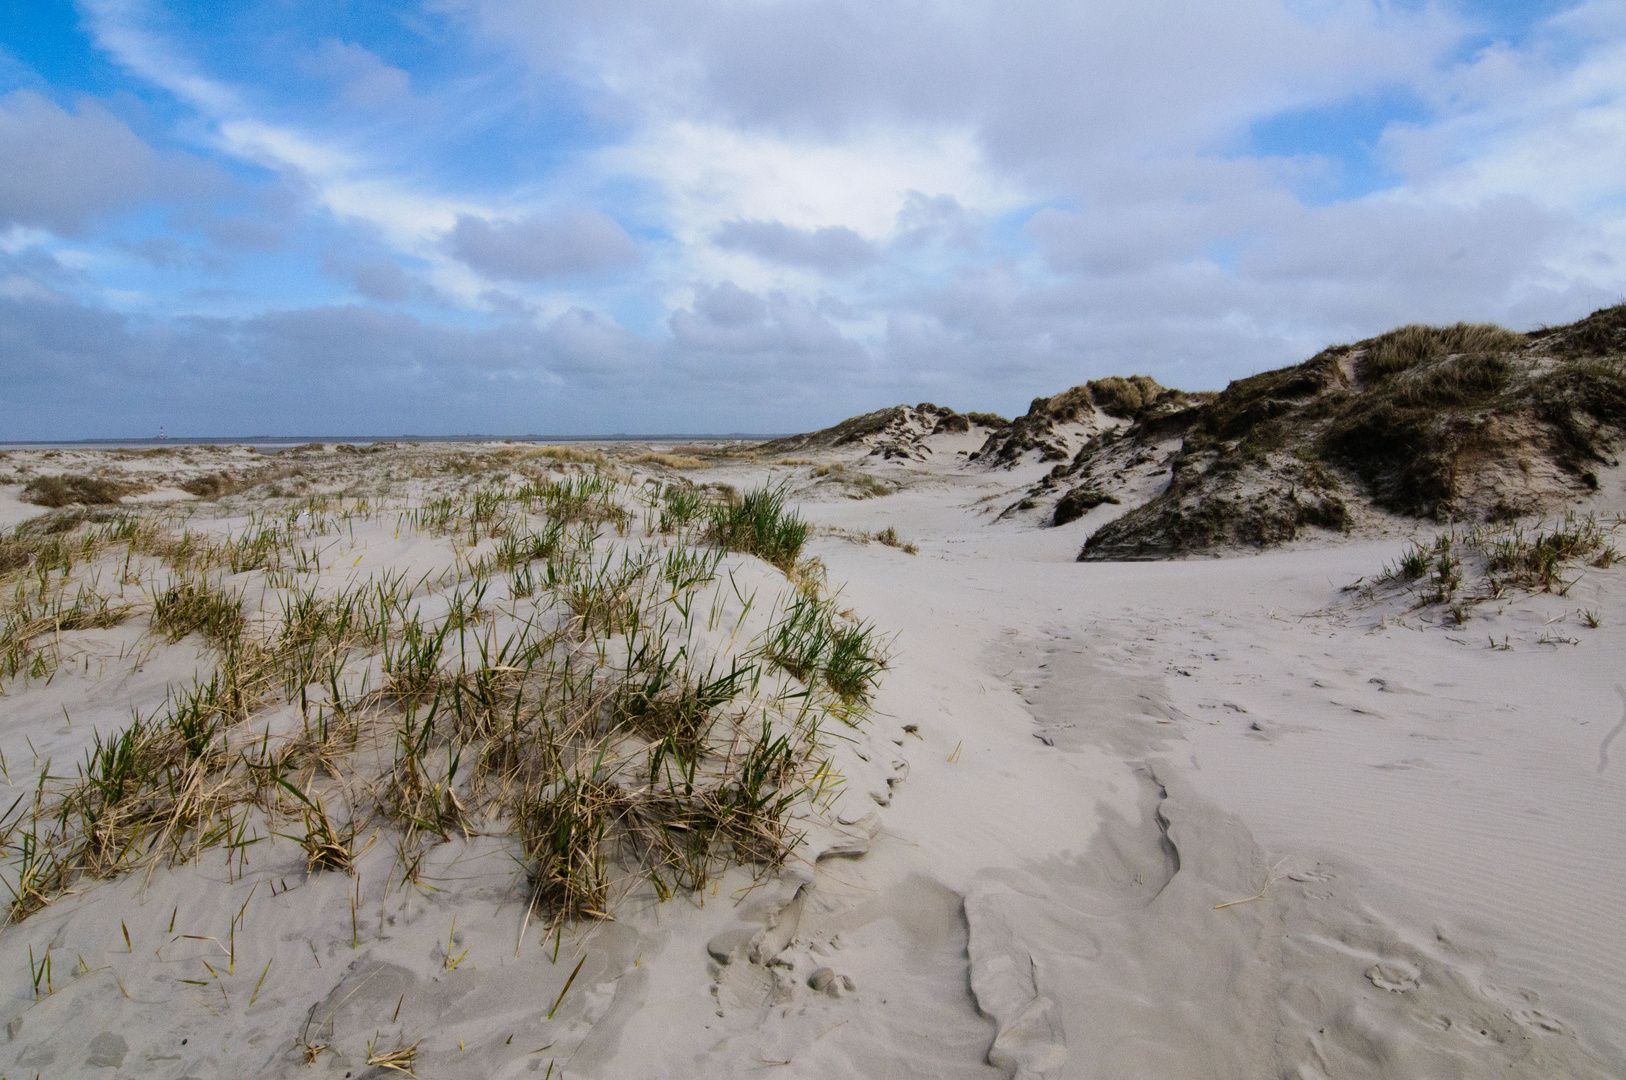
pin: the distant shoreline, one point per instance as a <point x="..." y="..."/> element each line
<point x="300" y="440"/>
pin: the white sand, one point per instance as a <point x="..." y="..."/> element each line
<point x="1208" y="818"/>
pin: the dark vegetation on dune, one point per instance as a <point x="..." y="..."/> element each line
<point x="68" y="489"/>
<point x="211" y="485"/>
<point x="932" y="419"/>
<point x="1137" y="398"/>
<point x="1464" y="423"/>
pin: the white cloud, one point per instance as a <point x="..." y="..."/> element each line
<point x="1035" y="191"/>
<point x="62" y="168"/>
<point x="1525" y="125"/>
<point x="834" y="249"/>
<point x="710" y="174"/>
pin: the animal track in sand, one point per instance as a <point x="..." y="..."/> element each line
<point x="1603" y="750"/>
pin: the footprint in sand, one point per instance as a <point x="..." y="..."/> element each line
<point x="1396" y="976"/>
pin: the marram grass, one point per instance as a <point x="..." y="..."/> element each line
<point x="550" y="679"/>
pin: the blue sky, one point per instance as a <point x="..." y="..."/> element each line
<point x="502" y="216"/>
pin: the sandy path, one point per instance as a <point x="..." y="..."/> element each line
<point x="1434" y="811"/>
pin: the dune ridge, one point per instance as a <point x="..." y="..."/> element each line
<point x="1342" y="806"/>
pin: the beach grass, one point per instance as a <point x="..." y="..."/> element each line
<point x="1466" y="567"/>
<point x="550" y="676"/>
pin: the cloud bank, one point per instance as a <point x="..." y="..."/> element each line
<point x="494" y="215"/>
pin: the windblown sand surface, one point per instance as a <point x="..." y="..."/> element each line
<point x="1207" y="818"/>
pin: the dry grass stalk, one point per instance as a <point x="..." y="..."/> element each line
<point x="671" y="461"/>
<point x="401" y="1059"/>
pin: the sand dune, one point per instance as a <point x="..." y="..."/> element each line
<point x="1209" y="818"/>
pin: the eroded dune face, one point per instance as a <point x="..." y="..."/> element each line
<point x="1214" y="818"/>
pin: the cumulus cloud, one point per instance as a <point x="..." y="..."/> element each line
<point x="732" y="336"/>
<point x="540" y="248"/>
<point x="926" y="219"/>
<point x="62" y="168"/>
<point x="834" y="249"/>
<point x="726" y="304"/>
<point x="1047" y="83"/>
<point x="1161" y="239"/>
<point x="858" y="204"/>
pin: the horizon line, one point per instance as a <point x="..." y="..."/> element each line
<point x="249" y="440"/>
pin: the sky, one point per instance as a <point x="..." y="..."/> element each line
<point x="567" y="217"/>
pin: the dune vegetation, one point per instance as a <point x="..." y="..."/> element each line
<point x="577" y="662"/>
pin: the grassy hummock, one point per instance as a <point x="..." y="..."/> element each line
<point x="578" y="662"/>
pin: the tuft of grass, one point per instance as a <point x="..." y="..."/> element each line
<point x="30" y="620"/>
<point x="586" y="498"/>
<point x="760" y="525"/>
<point x="671" y="461"/>
<point x="889" y="537"/>
<point x="1447" y="577"/>
<point x="681" y="505"/>
<point x="39" y="874"/>
<point x="412" y="663"/>
<point x="1127" y="398"/>
<point x="609" y="595"/>
<point x="192" y="606"/>
<point x="1538" y="561"/>
<point x="676" y="709"/>
<point x="141" y="790"/>
<point x="1408" y="346"/>
<point x="524" y="547"/>
<point x="326" y="846"/>
<point x="811" y="643"/>
<point x="853" y="668"/>
<point x="1506" y="556"/>
<point x="683" y="569"/>
<point x="799" y="641"/>
<point x="1414" y="563"/>
<point x="562" y="834"/>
